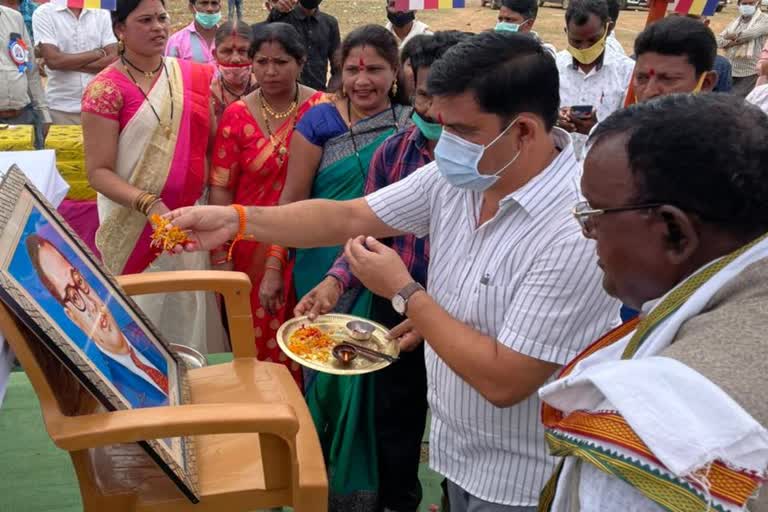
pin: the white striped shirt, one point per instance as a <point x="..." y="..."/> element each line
<point x="528" y="278"/>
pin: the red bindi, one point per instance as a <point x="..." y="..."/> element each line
<point x="651" y="72"/>
<point x="361" y="64"/>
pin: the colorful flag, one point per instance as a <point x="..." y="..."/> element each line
<point x="110" y="5"/>
<point x="418" y="5"/>
<point x="694" y="7"/>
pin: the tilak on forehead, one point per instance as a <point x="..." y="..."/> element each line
<point x="361" y="60"/>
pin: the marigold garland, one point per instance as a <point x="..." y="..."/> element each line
<point x="165" y="238"/>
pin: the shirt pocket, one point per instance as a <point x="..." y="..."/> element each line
<point x="610" y="102"/>
<point x="14" y="93"/>
<point x="488" y="307"/>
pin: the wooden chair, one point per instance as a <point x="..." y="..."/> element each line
<point x="256" y="445"/>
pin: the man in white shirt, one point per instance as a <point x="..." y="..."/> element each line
<point x="613" y="44"/>
<point x="512" y="287"/>
<point x="75" y="44"/>
<point x="592" y="78"/>
<point x="404" y="25"/>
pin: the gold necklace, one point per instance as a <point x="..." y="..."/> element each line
<point x="167" y="128"/>
<point x="278" y="115"/>
<point x="279" y="145"/>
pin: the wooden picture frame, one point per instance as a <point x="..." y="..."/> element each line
<point x="62" y="293"/>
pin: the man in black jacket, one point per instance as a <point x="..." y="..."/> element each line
<point x="320" y="34"/>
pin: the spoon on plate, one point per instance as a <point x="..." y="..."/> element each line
<point x="347" y="351"/>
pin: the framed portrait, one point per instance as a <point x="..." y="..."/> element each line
<point x="60" y="291"/>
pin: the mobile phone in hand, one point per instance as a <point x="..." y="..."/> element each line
<point x="582" y="110"/>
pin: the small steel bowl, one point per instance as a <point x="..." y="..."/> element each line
<point x="191" y="357"/>
<point x="360" y="331"/>
<point x="344" y="353"/>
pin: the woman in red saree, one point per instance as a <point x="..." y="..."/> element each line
<point x="146" y="122"/>
<point x="250" y="158"/>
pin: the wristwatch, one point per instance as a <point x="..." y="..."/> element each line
<point x="400" y="300"/>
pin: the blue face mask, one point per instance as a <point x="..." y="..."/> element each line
<point x="207" y="20"/>
<point x="457" y="160"/>
<point x="504" y="26"/>
<point x="429" y="130"/>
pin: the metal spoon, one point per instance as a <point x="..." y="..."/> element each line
<point x="365" y="351"/>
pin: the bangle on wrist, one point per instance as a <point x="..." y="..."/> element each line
<point x="144" y="201"/>
<point x="151" y="205"/>
<point x="273" y="267"/>
<point x="278" y="257"/>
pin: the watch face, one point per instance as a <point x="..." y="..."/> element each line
<point x="398" y="303"/>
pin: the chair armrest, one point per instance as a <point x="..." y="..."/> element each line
<point x="234" y="287"/>
<point x="73" y="433"/>
<point x="311" y="474"/>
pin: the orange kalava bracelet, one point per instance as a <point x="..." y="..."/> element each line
<point x="241" y="228"/>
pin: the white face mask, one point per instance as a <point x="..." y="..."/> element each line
<point x="457" y="160"/>
<point x="747" y="10"/>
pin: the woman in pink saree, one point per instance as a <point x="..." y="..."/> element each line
<point x="146" y="125"/>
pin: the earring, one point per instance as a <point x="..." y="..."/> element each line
<point x="120" y="46"/>
<point x="394" y="89"/>
<point x="343" y="91"/>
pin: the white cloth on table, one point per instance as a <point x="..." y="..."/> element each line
<point x="40" y="169"/>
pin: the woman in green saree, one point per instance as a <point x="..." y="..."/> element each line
<point x="334" y="143"/>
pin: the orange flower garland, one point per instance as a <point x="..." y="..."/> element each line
<point x="165" y="238"/>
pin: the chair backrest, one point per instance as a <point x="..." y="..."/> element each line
<point x="59" y="392"/>
<point x="60" y="395"/>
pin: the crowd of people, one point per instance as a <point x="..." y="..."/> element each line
<point x="499" y="205"/>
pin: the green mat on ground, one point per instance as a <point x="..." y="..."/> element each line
<point x="35" y="476"/>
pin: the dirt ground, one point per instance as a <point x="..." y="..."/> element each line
<point x="474" y="18"/>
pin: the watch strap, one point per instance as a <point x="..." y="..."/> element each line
<point x="408" y="290"/>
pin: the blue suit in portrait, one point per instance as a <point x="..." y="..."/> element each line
<point x="136" y="389"/>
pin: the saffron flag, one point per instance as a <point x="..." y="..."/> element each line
<point x="110" y="5"/>
<point x="694" y="7"/>
<point x="418" y="5"/>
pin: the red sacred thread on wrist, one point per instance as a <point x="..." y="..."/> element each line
<point x="240" y="230"/>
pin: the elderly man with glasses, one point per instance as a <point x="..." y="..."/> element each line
<point x="668" y="412"/>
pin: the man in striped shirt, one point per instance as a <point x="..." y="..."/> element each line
<point x="513" y="289"/>
<point x="401" y="389"/>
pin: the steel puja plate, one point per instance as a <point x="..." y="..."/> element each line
<point x="335" y="326"/>
<point x="191" y="357"/>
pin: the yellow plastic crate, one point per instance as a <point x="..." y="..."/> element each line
<point x="67" y="141"/>
<point x="17" y="137"/>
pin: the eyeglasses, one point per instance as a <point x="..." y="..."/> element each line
<point x="585" y="214"/>
<point x="74" y="291"/>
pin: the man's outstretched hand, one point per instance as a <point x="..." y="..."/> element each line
<point x="207" y="227"/>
